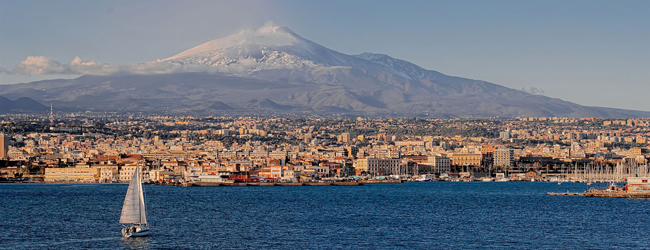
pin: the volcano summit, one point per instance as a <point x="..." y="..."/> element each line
<point x="273" y="69"/>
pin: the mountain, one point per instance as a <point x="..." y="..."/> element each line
<point x="220" y="106"/>
<point x="276" y="47"/>
<point x="21" y="104"/>
<point x="271" y="69"/>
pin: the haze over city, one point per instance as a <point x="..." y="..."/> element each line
<point x="589" y="52"/>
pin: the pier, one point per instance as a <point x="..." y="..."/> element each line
<point x="567" y="193"/>
<point x="619" y="194"/>
<point x="381" y="181"/>
<point x="263" y="184"/>
<point x="608" y="194"/>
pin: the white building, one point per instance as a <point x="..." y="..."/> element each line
<point x="375" y="166"/>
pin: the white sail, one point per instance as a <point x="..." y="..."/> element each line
<point x="133" y="209"/>
<point x="143" y="216"/>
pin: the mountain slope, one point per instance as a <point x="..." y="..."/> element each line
<point x="277" y="47"/>
<point x="272" y="69"/>
<point x="20" y="105"/>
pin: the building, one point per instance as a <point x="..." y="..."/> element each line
<point x="344" y="138"/>
<point x="108" y="173"/>
<point x="4" y="146"/>
<point x="126" y="172"/>
<point x="638" y="184"/>
<point x="321" y="171"/>
<point x="291" y="175"/>
<point x="504" y="157"/>
<point x="409" y="143"/>
<point x="361" y="165"/>
<point x="10" y="172"/>
<point x="352" y="151"/>
<point x="375" y="166"/>
<point x="72" y="174"/>
<point x="440" y="164"/>
<point x="466" y="159"/>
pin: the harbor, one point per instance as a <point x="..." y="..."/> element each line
<point x="636" y="187"/>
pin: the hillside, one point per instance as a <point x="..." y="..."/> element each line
<point x="272" y="69"/>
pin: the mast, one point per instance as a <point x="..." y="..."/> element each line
<point x="140" y="193"/>
<point x="143" y="217"/>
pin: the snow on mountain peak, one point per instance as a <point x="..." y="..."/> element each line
<point x="402" y="68"/>
<point x="277" y="47"/>
<point x="268" y="35"/>
<point x="271" y="28"/>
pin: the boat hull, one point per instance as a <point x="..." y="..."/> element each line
<point x="136" y="234"/>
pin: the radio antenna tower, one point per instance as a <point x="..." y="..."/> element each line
<point x="51" y="115"/>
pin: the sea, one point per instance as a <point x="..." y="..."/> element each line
<point x="429" y="215"/>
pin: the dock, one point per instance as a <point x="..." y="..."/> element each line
<point x="272" y="184"/>
<point x="608" y="194"/>
<point x="381" y="181"/>
<point x="567" y="193"/>
<point x="619" y="194"/>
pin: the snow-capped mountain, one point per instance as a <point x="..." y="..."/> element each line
<point x="400" y="67"/>
<point x="277" y="47"/>
<point x="273" y="69"/>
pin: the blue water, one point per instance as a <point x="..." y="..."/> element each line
<point x="438" y="215"/>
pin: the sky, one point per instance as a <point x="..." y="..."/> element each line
<point x="590" y="52"/>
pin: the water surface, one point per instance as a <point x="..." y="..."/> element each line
<point x="437" y="215"/>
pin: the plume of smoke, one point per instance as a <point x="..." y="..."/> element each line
<point x="533" y="90"/>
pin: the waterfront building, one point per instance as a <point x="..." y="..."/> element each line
<point x="504" y="157"/>
<point x="637" y="184"/>
<point x="466" y="159"/>
<point x="440" y="164"/>
<point x="72" y="174"/>
<point x="9" y="172"/>
<point x="361" y="165"/>
<point x="126" y="172"/>
<point x="375" y="166"/>
<point x="320" y="170"/>
<point x="291" y="175"/>
<point x="108" y="173"/>
<point x="160" y="175"/>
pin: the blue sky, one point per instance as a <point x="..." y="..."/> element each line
<point x="590" y="52"/>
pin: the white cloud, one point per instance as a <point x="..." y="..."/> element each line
<point x="241" y="66"/>
<point x="82" y="66"/>
<point x="41" y="65"/>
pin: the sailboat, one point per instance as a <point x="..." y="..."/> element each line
<point x="134" y="219"/>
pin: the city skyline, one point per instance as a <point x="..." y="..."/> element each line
<point x="570" y="50"/>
